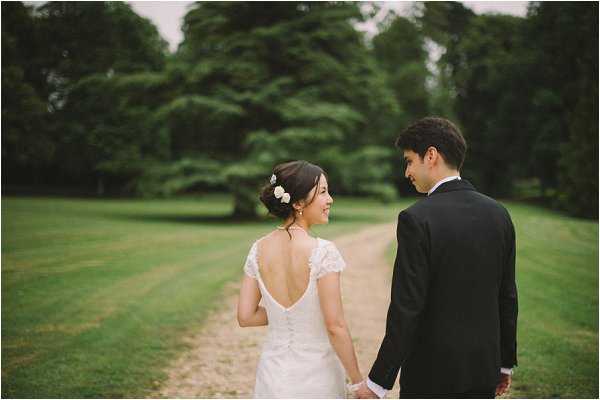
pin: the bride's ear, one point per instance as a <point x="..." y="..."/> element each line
<point x="298" y="205"/>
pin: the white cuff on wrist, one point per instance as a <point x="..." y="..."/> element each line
<point x="378" y="390"/>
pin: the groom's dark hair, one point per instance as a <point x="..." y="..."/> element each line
<point x="439" y="133"/>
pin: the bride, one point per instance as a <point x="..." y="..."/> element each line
<point x="292" y="284"/>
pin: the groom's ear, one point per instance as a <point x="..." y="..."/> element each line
<point x="432" y="154"/>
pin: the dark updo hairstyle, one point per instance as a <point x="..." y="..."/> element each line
<point x="297" y="178"/>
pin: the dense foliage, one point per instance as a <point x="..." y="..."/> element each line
<point x="91" y="97"/>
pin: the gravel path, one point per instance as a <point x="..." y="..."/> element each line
<point x="224" y="356"/>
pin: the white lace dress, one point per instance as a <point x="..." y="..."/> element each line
<point x="297" y="359"/>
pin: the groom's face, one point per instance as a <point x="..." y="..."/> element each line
<point x="417" y="171"/>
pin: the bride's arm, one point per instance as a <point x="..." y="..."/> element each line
<point x="249" y="313"/>
<point x="339" y="335"/>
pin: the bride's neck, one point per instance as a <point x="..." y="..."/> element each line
<point x="298" y="222"/>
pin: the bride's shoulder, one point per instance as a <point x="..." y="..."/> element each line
<point x="265" y="239"/>
<point x="254" y="247"/>
<point x="327" y="258"/>
<point x="327" y="245"/>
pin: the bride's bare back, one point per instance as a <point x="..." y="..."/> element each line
<point x="283" y="264"/>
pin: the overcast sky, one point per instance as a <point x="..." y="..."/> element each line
<point x="167" y="16"/>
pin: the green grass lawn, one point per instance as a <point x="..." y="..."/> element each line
<point x="557" y="279"/>
<point x="97" y="294"/>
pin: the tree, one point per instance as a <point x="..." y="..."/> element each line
<point x="99" y="37"/>
<point x="525" y="92"/>
<point x="269" y="82"/>
<point x="83" y="53"/>
<point x="117" y="131"/>
<point x="564" y="72"/>
<point x="489" y="103"/>
<point x="399" y="48"/>
<point x="483" y="64"/>
<point x="27" y="146"/>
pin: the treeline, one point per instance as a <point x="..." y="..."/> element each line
<point x="91" y="96"/>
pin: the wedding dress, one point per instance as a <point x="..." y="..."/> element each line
<point x="297" y="359"/>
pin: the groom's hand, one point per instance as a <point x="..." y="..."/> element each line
<point x="504" y="385"/>
<point x="364" y="392"/>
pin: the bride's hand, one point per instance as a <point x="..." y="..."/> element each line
<point x="364" y="392"/>
<point x="353" y="388"/>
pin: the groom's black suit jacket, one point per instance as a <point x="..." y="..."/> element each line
<point x="452" y="320"/>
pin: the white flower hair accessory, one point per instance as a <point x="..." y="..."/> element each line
<point x="280" y="193"/>
<point x="273" y="179"/>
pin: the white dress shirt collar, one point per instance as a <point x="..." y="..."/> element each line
<point x="447" y="179"/>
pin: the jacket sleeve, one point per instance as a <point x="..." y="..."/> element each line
<point x="410" y="283"/>
<point x="508" y="304"/>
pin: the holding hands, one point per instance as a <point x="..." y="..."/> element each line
<point x="360" y="390"/>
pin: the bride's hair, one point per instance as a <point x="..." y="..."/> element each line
<point x="297" y="178"/>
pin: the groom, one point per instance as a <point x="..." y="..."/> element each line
<point x="452" y="320"/>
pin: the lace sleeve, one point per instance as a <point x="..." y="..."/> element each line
<point x="329" y="260"/>
<point x="250" y="267"/>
